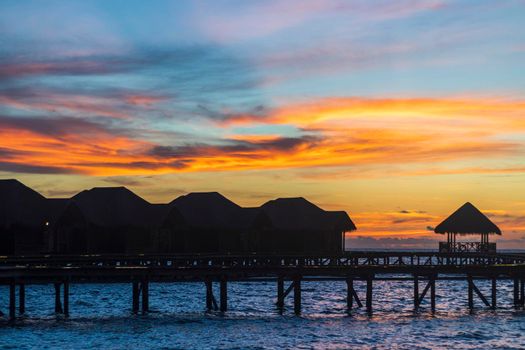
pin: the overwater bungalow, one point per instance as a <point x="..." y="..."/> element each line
<point x="25" y="218"/>
<point x="300" y="226"/>
<point x="467" y="221"/>
<point x="213" y="223"/>
<point x="115" y="220"/>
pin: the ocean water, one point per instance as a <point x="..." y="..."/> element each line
<point x="101" y="318"/>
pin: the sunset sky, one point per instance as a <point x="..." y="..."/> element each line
<point x="397" y="112"/>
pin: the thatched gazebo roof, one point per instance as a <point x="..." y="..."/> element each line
<point x="467" y="220"/>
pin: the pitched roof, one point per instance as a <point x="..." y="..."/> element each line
<point x="300" y="214"/>
<point x="467" y="220"/>
<point x="114" y="206"/>
<point x="206" y="209"/>
<point x="341" y="221"/>
<point x="19" y="204"/>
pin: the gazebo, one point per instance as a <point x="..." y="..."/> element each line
<point x="467" y="220"/>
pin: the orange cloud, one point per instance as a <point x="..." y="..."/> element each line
<point x="403" y="112"/>
<point x="339" y="132"/>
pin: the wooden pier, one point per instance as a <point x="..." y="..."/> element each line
<point x="424" y="269"/>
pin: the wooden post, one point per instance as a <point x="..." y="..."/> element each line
<point x="12" y="301"/>
<point x="21" y="298"/>
<point x="209" y="296"/>
<point x="470" y="293"/>
<point x="493" y="293"/>
<point x="349" y="293"/>
<point x="369" y="295"/>
<point x="66" y="299"/>
<point x="433" y="294"/>
<point x="280" y="292"/>
<point x="297" y="295"/>
<point x="58" y="302"/>
<point x="145" y="295"/>
<point x="224" y="294"/>
<point x="416" y="293"/>
<point x="135" y="297"/>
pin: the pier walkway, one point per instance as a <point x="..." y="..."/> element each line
<point x="288" y="271"/>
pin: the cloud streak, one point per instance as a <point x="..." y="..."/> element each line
<point x="339" y="132"/>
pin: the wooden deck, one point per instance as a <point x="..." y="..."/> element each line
<point x="350" y="267"/>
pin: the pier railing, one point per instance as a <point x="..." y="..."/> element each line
<point x="467" y="247"/>
<point x="349" y="259"/>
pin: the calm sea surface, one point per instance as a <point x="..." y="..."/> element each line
<point x="100" y="318"/>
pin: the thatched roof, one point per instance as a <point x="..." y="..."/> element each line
<point x="300" y="214"/>
<point x="467" y="220"/>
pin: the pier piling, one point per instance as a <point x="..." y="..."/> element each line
<point x="66" y="299"/>
<point x="21" y="298"/>
<point x="297" y="295"/>
<point x="432" y="293"/>
<point x="12" y="301"/>
<point x="349" y="293"/>
<point x="470" y="293"/>
<point x="280" y="293"/>
<point x="145" y="296"/>
<point x="369" y="280"/>
<point x="416" y="293"/>
<point x="493" y="294"/>
<point x="223" y="294"/>
<point x="135" y="297"/>
<point x="58" y="302"/>
<point x="209" y="295"/>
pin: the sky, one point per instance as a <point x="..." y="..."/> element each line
<point x="397" y="112"/>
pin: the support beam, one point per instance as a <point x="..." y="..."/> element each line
<point x="21" y="298"/>
<point x="425" y="290"/>
<point x="58" y="302"/>
<point x="224" y="294"/>
<point x="369" y="294"/>
<point x="297" y="295"/>
<point x="479" y="294"/>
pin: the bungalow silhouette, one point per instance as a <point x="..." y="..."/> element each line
<point x="467" y="221"/>
<point x="25" y="218"/>
<point x="300" y="226"/>
<point x="213" y="223"/>
<point x="109" y="220"/>
<point x="114" y="220"/>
